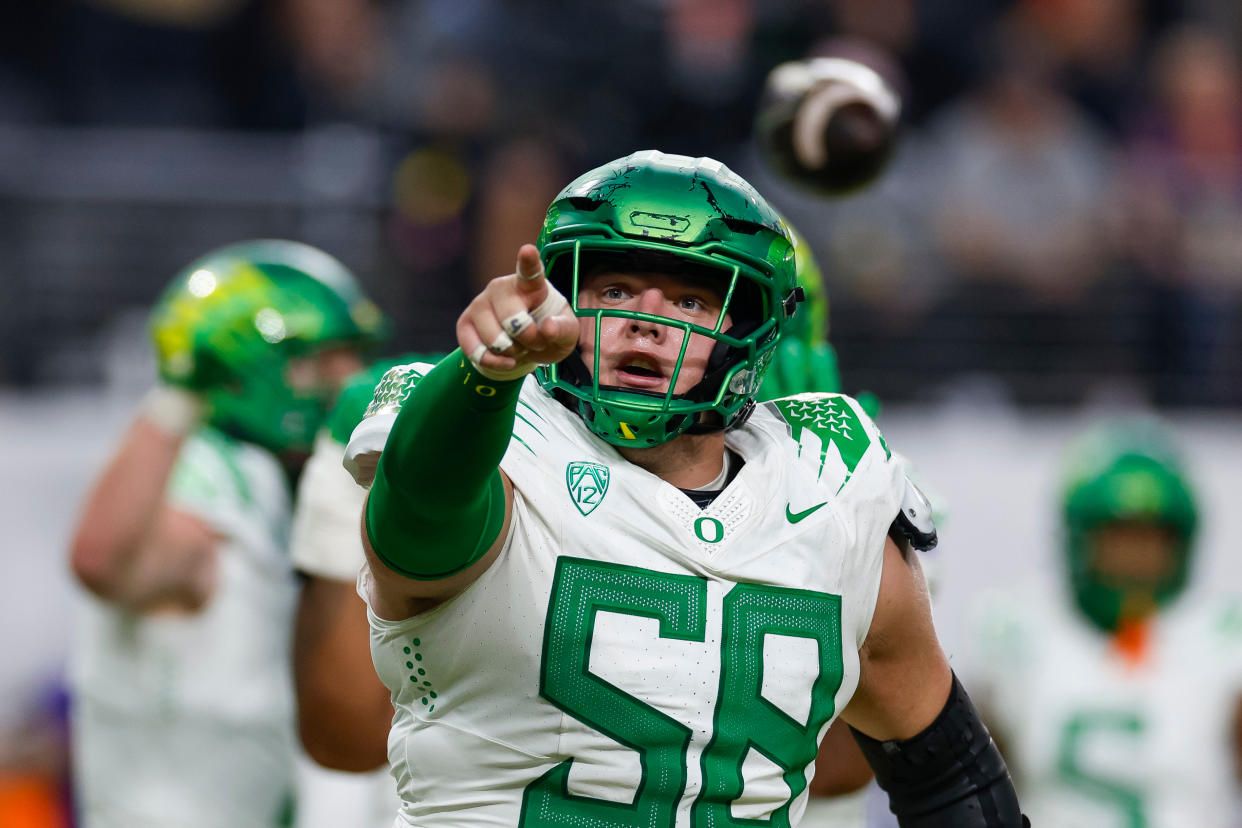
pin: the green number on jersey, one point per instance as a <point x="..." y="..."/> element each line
<point x="743" y="719"/>
<point x="1126" y="798"/>
<point x="580" y="590"/>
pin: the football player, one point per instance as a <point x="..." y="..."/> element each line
<point x="183" y="709"/>
<point x="619" y="592"/>
<point x="1119" y="705"/>
<point x="344" y="710"/>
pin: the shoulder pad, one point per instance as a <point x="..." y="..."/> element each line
<point x="395" y="387"/>
<point x="830" y="421"/>
<point x="353" y="399"/>
<point x="368" y="437"/>
<point x="915" y="521"/>
<point x="357" y="392"/>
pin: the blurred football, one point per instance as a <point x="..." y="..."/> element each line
<point x="828" y="124"/>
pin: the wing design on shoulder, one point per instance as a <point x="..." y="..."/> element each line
<point x="369" y="436"/>
<point x="832" y="432"/>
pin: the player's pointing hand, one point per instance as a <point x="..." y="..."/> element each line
<point x="518" y="322"/>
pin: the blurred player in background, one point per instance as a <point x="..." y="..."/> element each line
<point x="1118" y="705"/>
<point x="344" y="710"/>
<point x="183" y="710"/>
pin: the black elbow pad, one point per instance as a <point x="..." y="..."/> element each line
<point x="949" y="776"/>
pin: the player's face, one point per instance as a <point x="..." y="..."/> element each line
<point x="323" y="372"/>
<point x="1132" y="554"/>
<point x="643" y="355"/>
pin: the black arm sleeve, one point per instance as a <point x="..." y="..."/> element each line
<point x="949" y="776"/>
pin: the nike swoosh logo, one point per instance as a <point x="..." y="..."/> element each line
<point x="794" y="517"/>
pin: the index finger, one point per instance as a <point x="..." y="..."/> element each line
<point x="529" y="265"/>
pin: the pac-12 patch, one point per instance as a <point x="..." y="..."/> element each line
<point x="588" y="483"/>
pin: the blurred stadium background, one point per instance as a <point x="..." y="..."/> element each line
<point x="1058" y="237"/>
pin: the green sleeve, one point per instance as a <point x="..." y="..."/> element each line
<point x="438" y="502"/>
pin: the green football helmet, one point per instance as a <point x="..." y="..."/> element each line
<point x="228" y="325"/>
<point x="804" y="360"/>
<point x="695" y="213"/>
<point x="1125" y="472"/>
<point x="810" y="325"/>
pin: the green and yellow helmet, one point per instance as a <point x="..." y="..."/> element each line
<point x="810" y="325"/>
<point x="804" y="360"/>
<point x="229" y="323"/>
<point x="1125" y="472"/>
<point x="694" y="213"/>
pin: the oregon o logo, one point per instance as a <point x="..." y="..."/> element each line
<point x="709" y="530"/>
<point x="485" y="391"/>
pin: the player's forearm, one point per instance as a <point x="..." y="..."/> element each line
<point x="438" y="499"/>
<point x="344" y="711"/>
<point x="120" y="515"/>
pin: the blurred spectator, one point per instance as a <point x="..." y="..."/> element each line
<point x="519" y="181"/>
<point x="874" y="243"/>
<point x="701" y="96"/>
<point x="206" y="63"/>
<point x="334" y="42"/>
<point x="1018" y="174"/>
<point x="937" y="43"/>
<point x="1094" y="47"/>
<point x="1181" y="223"/>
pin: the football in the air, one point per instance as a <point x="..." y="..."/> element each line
<point x="828" y="124"/>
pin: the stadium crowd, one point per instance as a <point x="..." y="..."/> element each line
<point x="1060" y="223"/>
<point x="1062" y="215"/>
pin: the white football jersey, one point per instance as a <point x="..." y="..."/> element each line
<point x="187" y="720"/>
<point x="630" y="658"/>
<point x="1095" y="741"/>
<point x="325" y="541"/>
